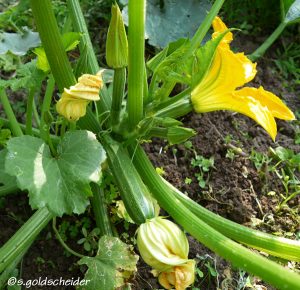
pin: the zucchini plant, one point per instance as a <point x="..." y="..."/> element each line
<point x="94" y="129"/>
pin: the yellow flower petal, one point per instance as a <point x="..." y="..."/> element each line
<point x="240" y="103"/>
<point x="219" y="27"/>
<point x="275" y="105"/>
<point x="71" y="108"/>
<point x="181" y="276"/>
<point x="228" y="71"/>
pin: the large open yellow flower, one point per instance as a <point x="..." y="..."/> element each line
<point x="229" y="71"/>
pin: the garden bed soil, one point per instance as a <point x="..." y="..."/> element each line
<point x="235" y="190"/>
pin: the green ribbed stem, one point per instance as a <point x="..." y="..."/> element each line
<point x="237" y="254"/>
<point x="260" y="51"/>
<point x="7" y="273"/>
<point x="13" y="123"/>
<point x="100" y="211"/>
<point x="24" y="237"/>
<point x="136" y="62"/>
<point x="44" y="127"/>
<point x="118" y="94"/>
<point x="29" y="111"/>
<point x="85" y="44"/>
<point x="52" y="43"/>
<point x="177" y="109"/>
<point x="205" y="25"/>
<point x="276" y="246"/>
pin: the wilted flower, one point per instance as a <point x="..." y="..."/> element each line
<point x="229" y="71"/>
<point x="162" y="244"/>
<point x="73" y="101"/>
<point x="179" y="277"/>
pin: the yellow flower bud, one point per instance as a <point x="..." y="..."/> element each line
<point x="116" y="42"/>
<point x="180" y="277"/>
<point x="73" y="101"/>
<point x="162" y="244"/>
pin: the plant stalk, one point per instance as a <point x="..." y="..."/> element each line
<point x="136" y="62"/>
<point x="100" y="211"/>
<point x="237" y="254"/>
<point x="24" y="237"/>
<point x="276" y="246"/>
<point x="260" y="51"/>
<point x="52" y="43"/>
<point x="118" y="94"/>
<point x="29" y="111"/>
<point x="13" y="123"/>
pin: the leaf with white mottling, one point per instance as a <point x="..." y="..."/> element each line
<point x="114" y="263"/>
<point x="62" y="182"/>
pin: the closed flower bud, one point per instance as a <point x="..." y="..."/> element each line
<point x="177" y="135"/>
<point x="162" y="244"/>
<point x="179" y="277"/>
<point x="73" y="101"/>
<point x="116" y="42"/>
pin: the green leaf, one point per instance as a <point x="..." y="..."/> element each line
<point x="70" y="40"/>
<point x="27" y="76"/>
<point x="171" y="20"/>
<point x="114" y="263"/>
<point x="5" y="179"/>
<point x="61" y="183"/>
<point x="293" y="14"/>
<point x="18" y="44"/>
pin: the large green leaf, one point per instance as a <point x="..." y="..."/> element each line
<point x="27" y="76"/>
<point x="114" y="263"/>
<point x="18" y="44"/>
<point x="5" y="179"/>
<point x="61" y="183"/>
<point x="172" y="20"/>
<point x="293" y="14"/>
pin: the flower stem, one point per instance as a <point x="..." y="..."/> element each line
<point x="62" y="241"/>
<point x="118" y="94"/>
<point x="136" y="47"/>
<point x="259" y="52"/>
<point x="205" y="25"/>
<point x="13" y="123"/>
<point x="29" y="111"/>
<point x="44" y="127"/>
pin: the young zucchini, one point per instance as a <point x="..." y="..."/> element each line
<point x="135" y="195"/>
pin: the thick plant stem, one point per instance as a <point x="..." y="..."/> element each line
<point x="29" y="111"/>
<point x="52" y="43"/>
<point x="136" y="47"/>
<point x="85" y="44"/>
<point x="44" y="126"/>
<point x="7" y="273"/>
<point x="118" y="94"/>
<point x="205" y="25"/>
<point x="13" y="123"/>
<point x="24" y="237"/>
<point x="276" y="246"/>
<point x="240" y="256"/>
<point x="260" y="51"/>
<point x="100" y="211"/>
